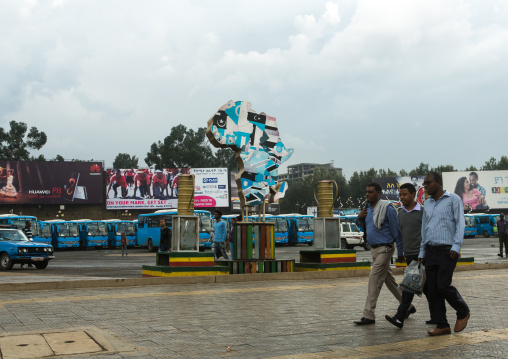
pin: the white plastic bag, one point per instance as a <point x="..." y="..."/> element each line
<point x="414" y="278"/>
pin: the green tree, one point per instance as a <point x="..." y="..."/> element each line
<point x="443" y="168"/>
<point x="182" y="148"/>
<point x="225" y="157"/>
<point x="471" y="168"/>
<point x="490" y="165"/>
<point x="403" y="173"/>
<point x="58" y="158"/>
<point x="358" y="182"/>
<point x="421" y="170"/>
<point x="14" y="144"/>
<point x="300" y="194"/>
<point x="124" y="160"/>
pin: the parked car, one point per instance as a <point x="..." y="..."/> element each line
<point x="351" y="236"/>
<point x="15" y="247"/>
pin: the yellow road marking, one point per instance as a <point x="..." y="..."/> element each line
<point x="408" y="347"/>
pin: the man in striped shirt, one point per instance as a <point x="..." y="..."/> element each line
<point x="442" y="235"/>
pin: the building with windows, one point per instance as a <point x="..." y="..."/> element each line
<point x="302" y="170"/>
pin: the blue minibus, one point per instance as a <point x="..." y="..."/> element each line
<point x="115" y="229"/>
<point x="20" y="221"/>
<point x="149" y="230"/>
<point x="485" y="224"/>
<point x="470" y="231"/>
<point x="92" y="233"/>
<point x="45" y="232"/>
<point x="64" y="234"/>
<point x="301" y="229"/>
<point x="281" y="228"/>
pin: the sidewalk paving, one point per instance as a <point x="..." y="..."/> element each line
<point x="256" y="319"/>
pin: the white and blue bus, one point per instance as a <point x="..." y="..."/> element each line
<point x="45" y="232"/>
<point x="301" y="229"/>
<point x="19" y="221"/>
<point x="115" y="229"/>
<point x="92" y="233"/>
<point x="149" y="230"/>
<point x="64" y="234"/>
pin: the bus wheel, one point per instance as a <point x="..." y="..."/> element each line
<point x="485" y="234"/>
<point x="41" y="265"/>
<point x="5" y="262"/>
<point x="150" y="246"/>
<point x="310" y="244"/>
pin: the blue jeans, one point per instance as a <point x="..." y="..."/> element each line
<point x="219" y="249"/>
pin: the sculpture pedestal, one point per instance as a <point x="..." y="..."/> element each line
<point x="329" y="259"/>
<point x="253" y="250"/>
<point x="175" y="264"/>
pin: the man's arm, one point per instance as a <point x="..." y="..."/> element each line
<point x="460" y="224"/>
<point x="425" y="239"/>
<point x="393" y="223"/>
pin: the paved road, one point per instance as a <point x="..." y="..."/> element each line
<point x="288" y="319"/>
<point x="110" y="263"/>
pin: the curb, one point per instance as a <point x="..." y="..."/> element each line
<point x="235" y="278"/>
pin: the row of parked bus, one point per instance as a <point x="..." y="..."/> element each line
<point x="290" y="229"/>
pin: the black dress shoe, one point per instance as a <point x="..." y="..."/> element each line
<point x="430" y="321"/>
<point x="500" y="255"/>
<point x="365" y="321"/>
<point x="394" y="321"/>
<point x="411" y="310"/>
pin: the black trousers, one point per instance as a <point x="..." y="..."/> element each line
<point x="407" y="297"/>
<point x="439" y="269"/>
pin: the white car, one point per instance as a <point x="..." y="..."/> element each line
<point x="351" y="236"/>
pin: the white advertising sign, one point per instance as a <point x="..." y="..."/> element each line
<point x="479" y="190"/>
<point x="211" y="187"/>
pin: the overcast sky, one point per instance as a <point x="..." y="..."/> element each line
<point x="384" y="84"/>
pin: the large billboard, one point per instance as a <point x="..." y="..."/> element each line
<point x="390" y="187"/>
<point x="480" y="190"/>
<point x="149" y="189"/>
<point x="50" y="182"/>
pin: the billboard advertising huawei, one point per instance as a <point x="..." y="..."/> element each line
<point x="50" y="182"/>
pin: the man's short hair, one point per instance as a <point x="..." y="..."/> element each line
<point x="409" y="187"/>
<point x="437" y="177"/>
<point x="219" y="212"/>
<point x="474" y="174"/>
<point x="375" y="185"/>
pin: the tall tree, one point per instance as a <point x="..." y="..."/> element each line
<point x="225" y="157"/>
<point x="421" y="170"/>
<point x="490" y="165"/>
<point x="14" y="144"/>
<point x="443" y="168"/>
<point x="58" y="158"/>
<point x="182" y="148"/>
<point x="124" y="160"/>
<point x="300" y="194"/>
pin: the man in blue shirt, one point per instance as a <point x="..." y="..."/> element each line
<point x="219" y="229"/>
<point x="442" y="235"/>
<point x="382" y="231"/>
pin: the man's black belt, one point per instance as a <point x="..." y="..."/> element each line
<point x="388" y="245"/>
<point x="438" y="248"/>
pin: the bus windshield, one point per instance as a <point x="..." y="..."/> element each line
<point x="97" y="229"/>
<point x="128" y="228"/>
<point x="21" y="222"/>
<point x="68" y="229"/>
<point x="205" y="224"/>
<point x="305" y="224"/>
<point x="280" y="224"/>
<point x="470" y="221"/>
<point x="45" y="232"/>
